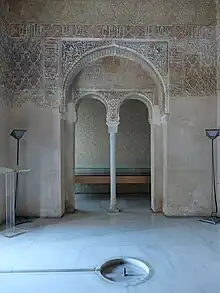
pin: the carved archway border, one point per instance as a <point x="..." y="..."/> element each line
<point x="145" y="97"/>
<point x="120" y="51"/>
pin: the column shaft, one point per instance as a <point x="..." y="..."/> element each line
<point x="112" y="170"/>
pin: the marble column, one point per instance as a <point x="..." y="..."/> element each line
<point x="113" y="129"/>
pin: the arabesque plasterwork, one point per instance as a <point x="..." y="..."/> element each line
<point x="36" y="57"/>
<point x="111" y="99"/>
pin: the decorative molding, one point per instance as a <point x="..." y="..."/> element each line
<point x="117" y="31"/>
<point x="113" y="100"/>
<point x="112" y="126"/>
<point x="155" y="52"/>
<point x="151" y="56"/>
<point x="164" y="118"/>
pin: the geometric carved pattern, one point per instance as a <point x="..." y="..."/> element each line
<point x="51" y="69"/>
<point x="73" y="50"/>
<point x="176" y="67"/>
<point x="192" y="68"/>
<point x="117" y="31"/>
<point x="200" y="68"/>
<point x="51" y="58"/>
<point x="199" y="80"/>
<point x="156" y="52"/>
<point x="112" y="100"/>
<point x="77" y="54"/>
<point x="24" y="64"/>
<point x="30" y="56"/>
<point x="3" y="56"/>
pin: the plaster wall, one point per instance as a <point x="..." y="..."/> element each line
<point x="218" y="100"/>
<point x="112" y="12"/>
<point x="40" y="189"/>
<point x="189" y="156"/>
<point x="4" y="119"/>
<point x="4" y="153"/>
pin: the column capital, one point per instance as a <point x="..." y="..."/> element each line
<point x="112" y="126"/>
<point x="68" y="112"/>
<point x="164" y="118"/>
<point x="71" y="113"/>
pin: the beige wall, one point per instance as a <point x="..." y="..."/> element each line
<point x="4" y="153"/>
<point x="189" y="156"/>
<point x="40" y="192"/>
<point x="113" y="12"/>
<point x="4" y="120"/>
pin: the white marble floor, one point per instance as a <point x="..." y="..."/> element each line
<point x="184" y="253"/>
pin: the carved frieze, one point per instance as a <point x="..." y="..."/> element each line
<point x="111" y="31"/>
<point x="24" y="64"/>
<point x="111" y="99"/>
<point x="22" y="69"/>
<point x="192" y="68"/>
<point x="74" y="49"/>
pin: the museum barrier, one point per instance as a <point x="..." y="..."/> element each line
<point x="11" y="229"/>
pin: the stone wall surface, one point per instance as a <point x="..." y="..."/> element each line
<point x="189" y="156"/>
<point x="40" y="191"/>
<point x="4" y="154"/>
<point x="112" y="12"/>
<point x="4" y="118"/>
<point x="44" y="39"/>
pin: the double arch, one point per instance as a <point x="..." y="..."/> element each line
<point x="158" y="143"/>
<point x="99" y="95"/>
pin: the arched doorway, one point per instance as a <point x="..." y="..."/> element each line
<point x="91" y="152"/>
<point x="155" y="101"/>
<point x="133" y="154"/>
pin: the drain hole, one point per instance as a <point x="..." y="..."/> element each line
<point x="127" y="271"/>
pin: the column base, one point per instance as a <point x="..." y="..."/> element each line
<point x="113" y="210"/>
<point x="69" y="210"/>
<point x="211" y="220"/>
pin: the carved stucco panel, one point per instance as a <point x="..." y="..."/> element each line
<point x="111" y="99"/>
<point x="200" y="68"/>
<point x="156" y="52"/>
<point x="192" y="68"/>
<point x="152" y="56"/>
